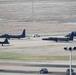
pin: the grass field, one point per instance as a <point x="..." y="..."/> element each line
<point x="49" y="16"/>
<point x="35" y="58"/>
<point x="35" y="49"/>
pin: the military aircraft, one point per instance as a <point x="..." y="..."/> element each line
<point x="74" y="34"/>
<point x="4" y="42"/>
<point x="56" y="39"/>
<point x="14" y="36"/>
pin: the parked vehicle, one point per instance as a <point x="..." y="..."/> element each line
<point x="68" y="72"/>
<point x="36" y="35"/>
<point x="43" y="71"/>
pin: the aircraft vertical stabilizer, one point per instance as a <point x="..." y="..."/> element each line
<point x="71" y="36"/>
<point x="6" y="41"/>
<point x="23" y="33"/>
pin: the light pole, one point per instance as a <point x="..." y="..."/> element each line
<point x="70" y="49"/>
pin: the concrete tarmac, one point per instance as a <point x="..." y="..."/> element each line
<point x="6" y="69"/>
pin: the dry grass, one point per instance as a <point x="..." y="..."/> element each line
<point x="16" y="15"/>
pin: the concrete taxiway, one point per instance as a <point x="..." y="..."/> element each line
<point x="19" y="68"/>
<point x="30" y="70"/>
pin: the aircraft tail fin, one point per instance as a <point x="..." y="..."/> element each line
<point x="23" y="33"/>
<point x="6" y="41"/>
<point x="71" y="36"/>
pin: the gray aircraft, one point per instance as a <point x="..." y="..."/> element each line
<point x="4" y="42"/>
<point x="74" y="34"/>
<point x="56" y="39"/>
<point x="14" y="36"/>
